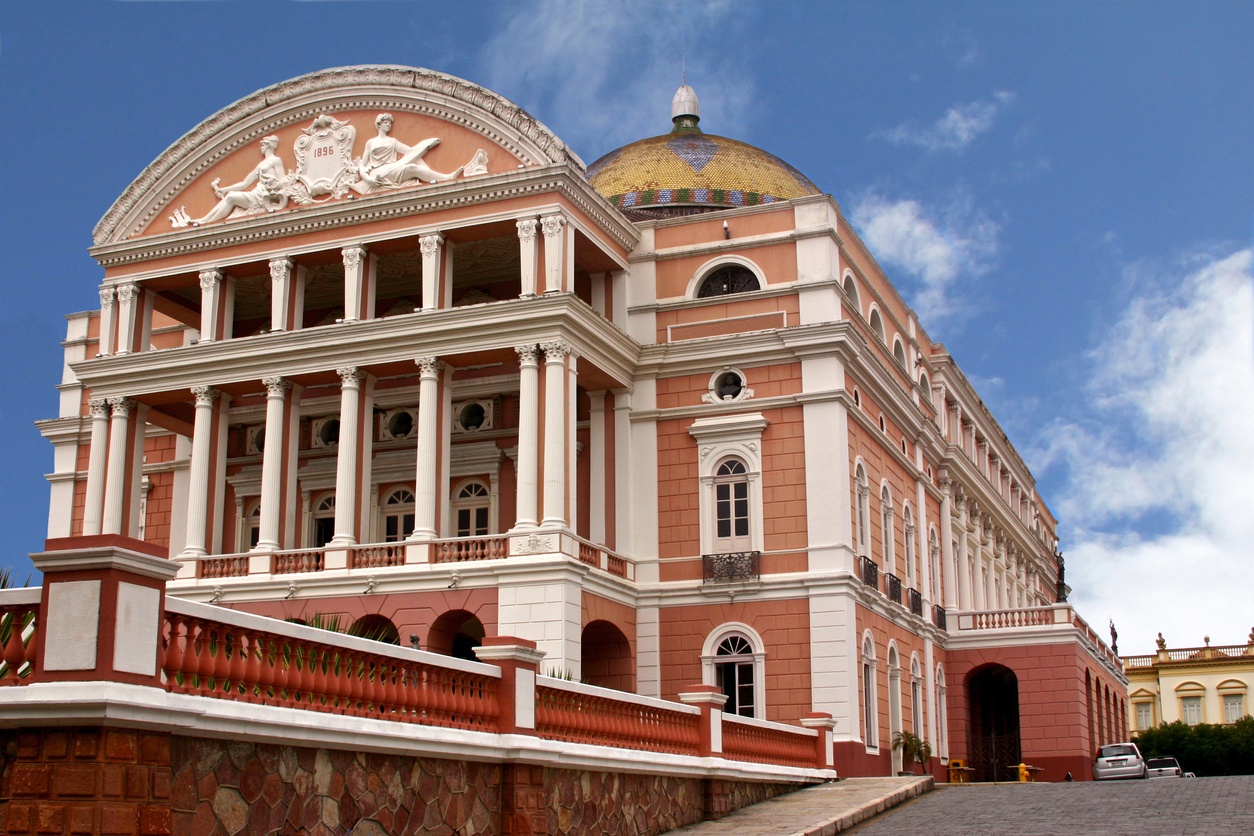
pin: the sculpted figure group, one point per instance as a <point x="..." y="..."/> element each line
<point x="385" y="163"/>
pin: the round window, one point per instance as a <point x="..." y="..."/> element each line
<point x="329" y="432"/>
<point x="472" y="416"/>
<point x="400" y="424"/>
<point x="729" y="386"/>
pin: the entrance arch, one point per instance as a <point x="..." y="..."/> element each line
<point x="456" y="633"/>
<point x="605" y="657"/>
<point x="993" y="709"/>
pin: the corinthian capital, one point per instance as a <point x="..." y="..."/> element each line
<point x="527" y="354"/>
<point x="98" y="408"/>
<point x="556" y="351"/>
<point x="205" y="395"/>
<point x="276" y="387"/>
<point x="122" y="406"/>
<point x="351" y="376"/>
<point x="429" y="366"/>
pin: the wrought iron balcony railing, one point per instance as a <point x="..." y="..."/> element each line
<point x="870" y="573"/>
<point x="731" y="566"/>
<point x="938" y="616"/>
<point x="916" y="601"/>
<point x="894" y="588"/>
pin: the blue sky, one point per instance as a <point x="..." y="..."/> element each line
<point x="1064" y="191"/>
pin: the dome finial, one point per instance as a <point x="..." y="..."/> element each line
<point x="685" y="110"/>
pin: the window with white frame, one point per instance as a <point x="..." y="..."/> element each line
<point x="909" y="554"/>
<point x="728" y="279"/>
<point x="1144" y="716"/>
<point x="323" y="522"/>
<point x="870" y="703"/>
<point x="250" y="532"/>
<point x="1191" y="710"/>
<point x="733" y="659"/>
<point x="916" y="697"/>
<point x="472" y="510"/>
<point x="1234" y="707"/>
<point x="863" y="503"/>
<point x="942" y="714"/>
<point x="877" y="324"/>
<point x="730" y="469"/>
<point x="886" y="521"/>
<point x="398" y="515"/>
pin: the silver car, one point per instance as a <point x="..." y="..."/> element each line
<point x="1118" y="760"/>
<point x="1164" y="768"/>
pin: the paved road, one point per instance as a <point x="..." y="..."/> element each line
<point x="1196" y="807"/>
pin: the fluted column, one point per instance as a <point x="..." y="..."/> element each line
<point x="93" y="508"/>
<point x="554" y="252"/>
<point x="555" y="452"/>
<point x="108" y="320"/>
<point x="277" y="389"/>
<point x="346" y="482"/>
<point x="198" y="487"/>
<point x="426" y="498"/>
<point x="527" y="252"/>
<point x="528" y="437"/>
<point x="115" y="484"/>
<point x="432" y="249"/>
<point x="210" y="304"/>
<point x="965" y="569"/>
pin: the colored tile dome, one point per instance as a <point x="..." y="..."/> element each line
<point x="688" y="170"/>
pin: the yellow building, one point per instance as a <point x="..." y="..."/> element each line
<point x="1194" y="684"/>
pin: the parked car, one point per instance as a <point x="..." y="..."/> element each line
<point x="1163" y="768"/>
<point x="1118" y="760"/>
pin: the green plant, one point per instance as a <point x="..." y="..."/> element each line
<point x="914" y="749"/>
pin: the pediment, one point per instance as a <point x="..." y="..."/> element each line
<point x="319" y="138"/>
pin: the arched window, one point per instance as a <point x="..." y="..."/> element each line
<point x="886" y="521"/>
<point x="726" y="280"/>
<point x="851" y="290"/>
<point x="877" y="324"/>
<point x="324" y="521"/>
<point x="909" y="553"/>
<point x="472" y="510"/>
<point x="870" y="704"/>
<point x="863" y="503"/>
<point x="398" y="515"/>
<point x="250" y="531"/>
<point x="926" y="386"/>
<point x="899" y="353"/>
<point x="733" y="659"/>
<point x="731" y="506"/>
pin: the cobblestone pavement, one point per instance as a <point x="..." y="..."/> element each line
<point x="1201" y="806"/>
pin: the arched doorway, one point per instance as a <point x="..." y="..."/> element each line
<point x="993" y="708"/>
<point x="377" y="627"/>
<point x="605" y="657"/>
<point x="456" y="633"/>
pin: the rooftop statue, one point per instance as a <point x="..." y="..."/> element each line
<point x="388" y="163"/>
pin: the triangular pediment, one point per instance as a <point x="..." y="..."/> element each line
<point x="320" y="138"/>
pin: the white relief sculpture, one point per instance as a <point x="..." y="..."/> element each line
<point x="534" y="544"/>
<point x="261" y="191"/>
<point x="478" y="164"/>
<point x="324" y="160"/>
<point x="388" y="163"/>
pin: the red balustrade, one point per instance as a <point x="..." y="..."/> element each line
<point x="376" y="557"/>
<point x="231" y="566"/>
<point x="484" y="548"/>
<point x="225" y="661"/>
<point x="759" y="743"/>
<point x="589" y="554"/>
<point x="575" y="715"/>
<point x="287" y="563"/>
<point x="19" y="634"/>
<point x="616" y="565"/>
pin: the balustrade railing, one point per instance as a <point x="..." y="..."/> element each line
<point x="482" y="548"/>
<point x="376" y="557"/>
<point x="294" y="562"/>
<point x="227" y="655"/>
<point x="870" y="573"/>
<point x="762" y="742"/>
<point x="578" y="713"/>
<point x="731" y="566"/>
<point x="894" y="587"/>
<point x="915" y="601"/>
<point x="227" y="566"/>
<point x="19" y="633"/>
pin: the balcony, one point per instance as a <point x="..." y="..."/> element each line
<point x="1059" y="619"/>
<point x="870" y="573"/>
<point x="938" y="617"/>
<point x="915" y="601"/>
<point x="731" y="567"/>
<point x="894" y="587"/>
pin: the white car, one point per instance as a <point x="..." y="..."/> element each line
<point x="1118" y="760"/>
<point x="1164" y="768"/>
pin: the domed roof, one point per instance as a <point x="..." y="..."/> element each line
<point x="688" y="170"/>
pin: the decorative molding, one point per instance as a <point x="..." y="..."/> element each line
<point x="555" y="351"/>
<point x="121" y="406"/>
<point x="209" y="279"/>
<point x="205" y="395"/>
<point x="281" y="268"/>
<point x="430" y="244"/>
<point x="98" y="407"/>
<point x="527" y="229"/>
<point x="533" y="544"/>
<point x="353" y="256"/>
<point x="528" y="355"/>
<point x="107" y="296"/>
<point x="351" y="377"/>
<point x="276" y="387"/>
<point x="429" y="366"/>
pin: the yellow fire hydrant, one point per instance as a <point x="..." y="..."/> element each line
<point x="1024" y="775"/>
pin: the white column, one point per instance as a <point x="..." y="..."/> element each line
<point x="93" y="508"/>
<point x="198" y="487"/>
<point x="108" y="320"/>
<point x="949" y="561"/>
<point x="346" y="483"/>
<point x="528" y="437"/>
<point x="527" y="252"/>
<point x="115" y="484"/>
<point x="280" y="294"/>
<point x="426" y="499"/>
<point x="555" y="353"/>
<point x="210" y="304"/>
<point x="430" y="245"/>
<point x="965" y="564"/>
<point x="596" y="467"/>
<point x="127" y="294"/>
<point x="554" y="252"/>
<point x="277" y="389"/>
<point x="355" y="288"/>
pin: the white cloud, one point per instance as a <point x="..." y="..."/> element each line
<point x="566" y="59"/>
<point x="958" y="128"/>
<point x="936" y="247"/>
<point x="1159" y="496"/>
